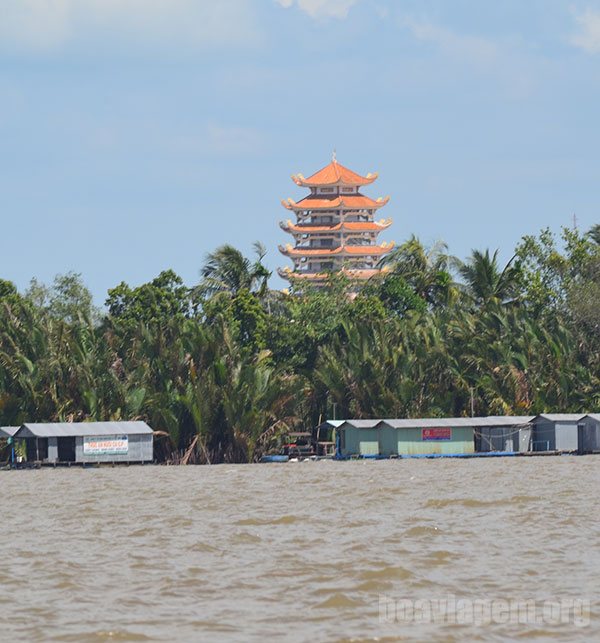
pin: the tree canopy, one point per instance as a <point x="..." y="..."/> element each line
<point x="226" y="367"/>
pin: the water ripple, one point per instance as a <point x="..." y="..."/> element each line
<point x="294" y="553"/>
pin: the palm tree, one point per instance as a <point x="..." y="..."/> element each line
<point x="236" y="401"/>
<point x="485" y="281"/>
<point x="594" y="233"/>
<point x="387" y="368"/>
<point x="226" y="270"/>
<point x="426" y="270"/>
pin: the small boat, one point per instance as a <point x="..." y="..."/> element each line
<point x="275" y="458"/>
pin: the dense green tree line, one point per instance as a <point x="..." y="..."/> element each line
<point x="225" y="368"/>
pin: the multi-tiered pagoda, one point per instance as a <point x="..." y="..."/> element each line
<point x="335" y="228"/>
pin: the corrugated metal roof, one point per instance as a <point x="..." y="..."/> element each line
<point x="512" y="419"/>
<point x="333" y="423"/>
<point x="70" y="429"/>
<point x="490" y="421"/>
<point x="8" y="431"/>
<point x="499" y="420"/>
<point x="564" y="417"/>
<point x="419" y="423"/>
<point x="361" y="424"/>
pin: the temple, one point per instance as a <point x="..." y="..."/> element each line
<point x="335" y="230"/>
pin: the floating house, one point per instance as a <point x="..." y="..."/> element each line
<point x="6" y="434"/>
<point x="503" y="433"/>
<point x="492" y="435"/>
<point x="556" y="432"/>
<point x="433" y="436"/>
<point x="8" y="431"/>
<point x="405" y="437"/>
<point x="358" y="438"/>
<point x="589" y="433"/>
<point x="335" y="229"/>
<point x="87" y="442"/>
<point x="566" y="432"/>
<point x="429" y="436"/>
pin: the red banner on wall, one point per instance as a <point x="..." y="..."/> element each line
<point x="436" y="434"/>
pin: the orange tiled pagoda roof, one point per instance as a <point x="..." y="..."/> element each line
<point x="358" y="202"/>
<point x="349" y="226"/>
<point x="334" y="174"/>
<point x="365" y="251"/>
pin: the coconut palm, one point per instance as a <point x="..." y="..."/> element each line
<point x="426" y="270"/>
<point x="226" y="270"/>
<point x="485" y="281"/>
<point x="594" y="233"/>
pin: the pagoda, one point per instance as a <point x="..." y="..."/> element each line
<point x="335" y="230"/>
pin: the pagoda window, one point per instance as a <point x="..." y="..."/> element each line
<point x="327" y="190"/>
<point x="348" y="190"/>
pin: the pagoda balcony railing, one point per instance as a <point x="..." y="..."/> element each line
<point x="366" y="243"/>
<point x="309" y="248"/>
<point x="349" y="241"/>
<point x="347" y="214"/>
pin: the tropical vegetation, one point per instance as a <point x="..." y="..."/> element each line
<point x="223" y="369"/>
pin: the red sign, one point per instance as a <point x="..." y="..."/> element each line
<point x="436" y="434"/>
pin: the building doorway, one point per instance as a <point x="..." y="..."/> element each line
<point x="66" y="449"/>
<point x="36" y="449"/>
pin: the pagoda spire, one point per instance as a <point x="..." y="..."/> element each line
<point x="335" y="230"/>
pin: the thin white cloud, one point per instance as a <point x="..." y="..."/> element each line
<point x="321" y="8"/>
<point x="43" y="25"/>
<point x="588" y="36"/>
<point x="474" y="48"/>
<point x="34" y="24"/>
<point x="453" y="57"/>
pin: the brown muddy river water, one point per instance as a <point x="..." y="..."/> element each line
<point x="487" y="549"/>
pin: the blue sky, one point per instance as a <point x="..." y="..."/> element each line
<point x="138" y="135"/>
